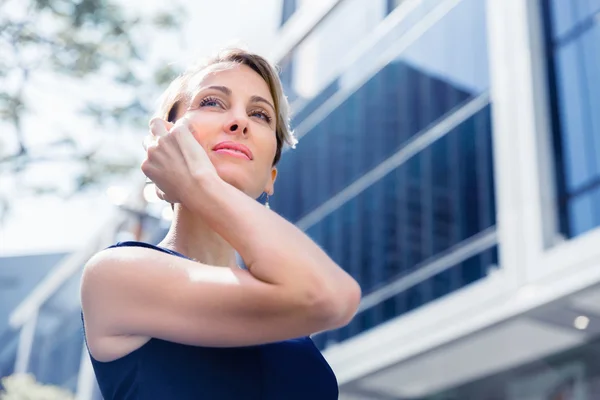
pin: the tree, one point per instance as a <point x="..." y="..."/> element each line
<point x="81" y="39"/>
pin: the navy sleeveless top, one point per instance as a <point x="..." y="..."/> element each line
<point x="162" y="370"/>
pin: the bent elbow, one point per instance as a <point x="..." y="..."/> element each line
<point x="335" y="308"/>
<point x="349" y="301"/>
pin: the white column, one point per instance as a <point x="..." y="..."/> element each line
<point x="26" y="338"/>
<point x="522" y="138"/>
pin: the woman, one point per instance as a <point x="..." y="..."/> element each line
<point x="182" y="320"/>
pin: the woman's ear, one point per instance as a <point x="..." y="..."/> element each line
<point x="270" y="188"/>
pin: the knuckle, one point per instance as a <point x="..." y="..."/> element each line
<point x="154" y="121"/>
<point x="177" y="130"/>
<point x="156" y="124"/>
<point x="151" y="151"/>
<point x="145" y="166"/>
<point x="156" y="145"/>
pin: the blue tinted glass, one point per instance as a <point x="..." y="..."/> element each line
<point x="586" y="9"/>
<point x="366" y="129"/>
<point x="454" y="51"/>
<point x="569" y="17"/>
<point x="576" y="101"/>
<point x="571" y="86"/>
<point x="562" y="16"/>
<point x="590" y="43"/>
<point x="438" y="198"/>
<point x="581" y="211"/>
<point x="453" y="278"/>
<point x="307" y="108"/>
<point x="287" y="10"/>
<point x="441" y="70"/>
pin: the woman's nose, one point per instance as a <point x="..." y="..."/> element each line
<point x="237" y="128"/>
<point x="237" y="125"/>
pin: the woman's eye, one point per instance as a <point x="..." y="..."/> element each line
<point x="261" y="114"/>
<point x="209" y="102"/>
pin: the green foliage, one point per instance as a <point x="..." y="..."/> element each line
<point x="82" y="39"/>
<point x="24" y="387"/>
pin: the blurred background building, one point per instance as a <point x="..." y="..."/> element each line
<point x="449" y="159"/>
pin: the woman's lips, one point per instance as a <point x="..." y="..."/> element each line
<point x="233" y="149"/>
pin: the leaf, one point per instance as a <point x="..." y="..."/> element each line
<point x="165" y="20"/>
<point x="81" y="39"/>
<point x="164" y="75"/>
<point x="24" y="386"/>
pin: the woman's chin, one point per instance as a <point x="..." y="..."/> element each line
<point x="235" y="179"/>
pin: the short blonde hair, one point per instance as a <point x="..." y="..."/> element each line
<point x="178" y="93"/>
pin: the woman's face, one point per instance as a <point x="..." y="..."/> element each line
<point x="233" y="117"/>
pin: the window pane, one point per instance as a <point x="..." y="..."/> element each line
<point x="288" y="8"/>
<point x="455" y="277"/>
<point x="590" y="43"/>
<point x="571" y="91"/>
<point x="439" y="72"/>
<point x="320" y="55"/>
<point x="583" y="211"/>
<point x="567" y="17"/>
<point x="434" y="201"/>
<point x="575" y="73"/>
<point x="563" y="16"/>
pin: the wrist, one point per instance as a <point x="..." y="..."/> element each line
<point x="204" y="188"/>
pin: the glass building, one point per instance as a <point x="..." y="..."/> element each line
<point x="449" y="160"/>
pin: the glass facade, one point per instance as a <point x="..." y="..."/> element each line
<point x="392" y="4"/>
<point x="573" y="44"/>
<point x="434" y="200"/>
<point x="288" y="8"/>
<point x="319" y="57"/>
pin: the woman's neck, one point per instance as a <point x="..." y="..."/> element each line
<point x="192" y="237"/>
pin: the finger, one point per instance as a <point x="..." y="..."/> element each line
<point x="158" y="127"/>
<point x="148" y="141"/>
<point x="191" y="150"/>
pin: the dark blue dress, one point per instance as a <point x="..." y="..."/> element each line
<point x="163" y="370"/>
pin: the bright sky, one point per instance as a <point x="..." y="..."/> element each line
<point x="46" y="224"/>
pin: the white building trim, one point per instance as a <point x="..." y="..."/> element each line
<point x="26" y="338"/>
<point x="299" y="26"/>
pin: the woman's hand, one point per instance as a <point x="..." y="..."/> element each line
<point x="175" y="161"/>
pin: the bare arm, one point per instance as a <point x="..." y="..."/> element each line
<point x="292" y="288"/>
<point x="275" y="251"/>
<point x="143" y="292"/>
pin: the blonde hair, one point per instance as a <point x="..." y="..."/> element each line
<point x="177" y="94"/>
